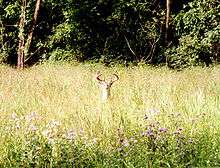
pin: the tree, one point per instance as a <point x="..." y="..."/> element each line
<point x="20" y="60"/>
<point x="123" y="31"/>
<point x="110" y="31"/>
<point x="23" y="47"/>
<point x="168" y="12"/>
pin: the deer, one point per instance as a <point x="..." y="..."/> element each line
<point x="105" y="85"/>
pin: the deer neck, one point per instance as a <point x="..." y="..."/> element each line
<point x="105" y="94"/>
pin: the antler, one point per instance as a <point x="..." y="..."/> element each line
<point x="105" y="86"/>
<point x="98" y="76"/>
<point x="115" y="78"/>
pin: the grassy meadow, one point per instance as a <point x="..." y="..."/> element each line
<point x="52" y="116"/>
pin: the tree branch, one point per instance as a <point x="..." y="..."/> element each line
<point x="129" y="46"/>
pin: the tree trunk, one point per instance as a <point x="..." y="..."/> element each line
<point x="33" y="25"/>
<point x="23" y="48"/>
<point x="168" y="12"/>
<point x="20" y="60"/>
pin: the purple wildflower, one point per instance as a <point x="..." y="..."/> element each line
<point x="178" y="131"/>
<point x="125" y="143"/>
<point x="70" y="135"/>
<point x="162" y="130"/>
<point x="33" y="128"/>
<point x="154" y="112"/>
<point x="54" y="124"/>
<point x="148" y="133"/>
<point x="32" y="116"/>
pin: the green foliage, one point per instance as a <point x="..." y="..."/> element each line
<point x="99" y="30"/>
<point x="9" y="19"/>
<point x="198" y="30"/>
<point x="3" y="49"/>
<point x="62" y="55"/>
<point x="113" y="31"/>
<point x="187" y="53"/>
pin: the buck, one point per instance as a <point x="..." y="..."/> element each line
<point x="105" y="85"/>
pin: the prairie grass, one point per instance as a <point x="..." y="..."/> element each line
<point x="52" y="116"/>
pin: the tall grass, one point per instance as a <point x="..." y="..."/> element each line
<point x="52" y="116"/>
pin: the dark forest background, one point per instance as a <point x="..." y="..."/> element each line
<point x="174" y="33"/>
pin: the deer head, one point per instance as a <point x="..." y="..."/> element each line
<point x="105" y="85"/>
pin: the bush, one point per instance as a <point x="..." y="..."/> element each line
<point x="198" y="30"/>
<point x="63" y="55"/>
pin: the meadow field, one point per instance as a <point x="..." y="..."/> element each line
<point x="52" y="116"/>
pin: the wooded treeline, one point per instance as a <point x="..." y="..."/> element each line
<point x="176" y="33"/>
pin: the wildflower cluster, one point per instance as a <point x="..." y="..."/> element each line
<point x="33" y="141"/>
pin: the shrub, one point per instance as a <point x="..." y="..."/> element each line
<point x="198" y="30"/>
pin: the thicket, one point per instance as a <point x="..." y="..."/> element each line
<point x="114" y="31"/>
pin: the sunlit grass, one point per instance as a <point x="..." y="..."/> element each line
<point x="65" y="99"/>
